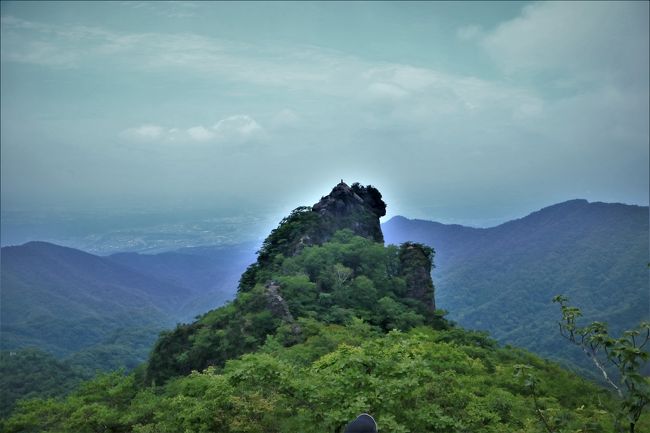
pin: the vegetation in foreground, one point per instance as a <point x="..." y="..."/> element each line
<point x="421" y="380"/>
<point x="321" y="331"/>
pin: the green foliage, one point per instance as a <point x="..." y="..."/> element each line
<point x="625" y="354"/>
<point x="300" y="225"/>
<point x="222" y="334"/>
<point x="500" y="279"/>
<point x="29" y="373"/>
<point x="96" y="313"/>
<point x="319" y="332"/>
<point x="555" y="420"/>
<point x="347" y="277"/>
<point x="64" y="301"/>
<point x="421" y="380"/>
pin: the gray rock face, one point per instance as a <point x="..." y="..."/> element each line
<point x="357" y="208"/>
<point x="416" y="261"/>
<point x="278" y="306"/>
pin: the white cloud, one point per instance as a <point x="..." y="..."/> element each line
<point x="169" y="9"/>
<point x="146" y="132"/>
<point x="37" y="52"/>
<point x="595" y="41"/>
<point x="285" y="118"/>
<point x="261" y="64"/>
<point x="240" y="127"/>
<point x="230" y="130"/>
<point x="388" y="91"/>
<point x="380" y="115"/>
<point x="406" y="77"/>
<point x="469" y="32"/>
<point x="424" y="96"/>
<point x="200" y="133"/>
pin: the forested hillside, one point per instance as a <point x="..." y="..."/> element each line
<point x="502" y="279"/>
<point x="417" y="381"/>
<point x="63" y="300"/>
<point x="99" y="313"/>
<point x="328" y="323"/>
<point x="30" y="373"/>
<point x="210" y="273"/>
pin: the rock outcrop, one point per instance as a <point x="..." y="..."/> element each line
<point x="278" y="306"/>
<point x="357" y="208"/>
<point x="351" y="277"/>
<point x="416" y="261"/>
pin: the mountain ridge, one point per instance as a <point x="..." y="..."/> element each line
<point x="559" y="205"/>
<point x="501" y="279"/>
<point x="323" y="328"/>
<point x="64" y="300"/>
<point x="326" y="261"/>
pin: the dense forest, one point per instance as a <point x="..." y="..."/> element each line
<point x="501" y="279"/>
<point x="329" y="323"/>
<point x="498" y="279"/>
<point x="99" y="313"/>
<point x="420" y="380"/>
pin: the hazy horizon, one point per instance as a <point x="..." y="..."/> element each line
<point x="151" y="232"/>
<point x="470" y="113"/>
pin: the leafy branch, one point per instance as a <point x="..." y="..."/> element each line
<point x="625" y="353"/>
<point x="530" y="381"/>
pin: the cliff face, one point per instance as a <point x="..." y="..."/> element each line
<point x="416" y="261"/>
<point x="305" y="270"/>
<point x="357" y="208"/>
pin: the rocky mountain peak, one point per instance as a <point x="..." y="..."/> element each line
<point x="355" y="207"/>
<point x="345" y="199"/>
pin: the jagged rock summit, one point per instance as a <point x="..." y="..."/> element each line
<point x="326" y="262"/>
<point x="357" y="208"/>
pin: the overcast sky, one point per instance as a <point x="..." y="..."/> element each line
<point x="472" y="113"/>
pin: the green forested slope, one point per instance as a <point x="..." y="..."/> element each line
<point x="348" y="277"/>
<point x="89" y="312"/>
<point x="63" y="300"/>
<point x="502" y="279"/>
<point x="29" y="373"/>
<point x="329" y="323"/>
<point x="420" y="381"/>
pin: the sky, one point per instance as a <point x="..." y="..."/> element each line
<point x="470" y="113"/>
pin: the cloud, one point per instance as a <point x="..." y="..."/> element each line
<point x="390" y="91"/>
<point x="235" y="129"/>
<point x="586" y="41"/>
<point x="41" y="53"/>
<point x="200" y="133"/>
<point x="168" y="9"/>
<point x="285" y="118"/>
<point x="469" y="32"/>
<point x="594" y="102"/>
<point x="295" y="67"/>
<point x="45" y="52"/>
<point x="240" y="127"/>
<point x="424" y="95"/>
<point x="146" y="132"/>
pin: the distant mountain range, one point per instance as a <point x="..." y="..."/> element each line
<point x="104" y="312"/>
<point x="502" y="279"/>
<point x="74" y="304"/>
<point x="210" y="273"/>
